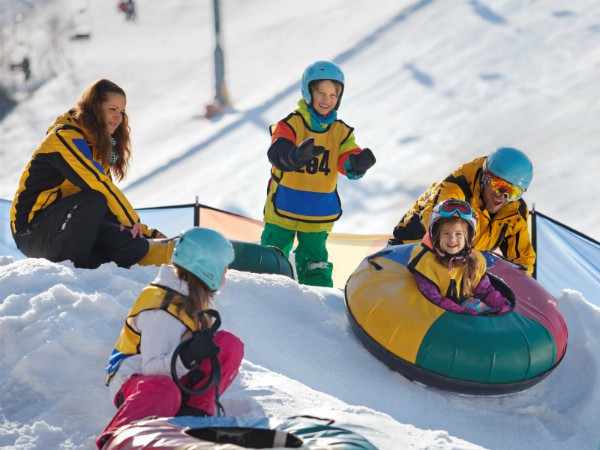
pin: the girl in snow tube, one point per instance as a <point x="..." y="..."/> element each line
<point x="473" y="354"/>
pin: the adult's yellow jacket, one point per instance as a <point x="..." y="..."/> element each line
<point x="64" y="164"/>
<point x="306" y="198"/>
<point x="506" y="230"/>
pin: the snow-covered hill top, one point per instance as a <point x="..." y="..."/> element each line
<point x="430" y="85"/>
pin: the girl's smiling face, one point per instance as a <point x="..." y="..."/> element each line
<point x="112" y="111"/>
<point x="325" y="96"/>
<point x="453" y="236"/>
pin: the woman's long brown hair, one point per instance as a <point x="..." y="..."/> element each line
<point x="88" y="112"/>
<point x="198" y="299"/>
<point x="469" y="262"/>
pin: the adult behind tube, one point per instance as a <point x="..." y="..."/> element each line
<point x="493" y="186"/>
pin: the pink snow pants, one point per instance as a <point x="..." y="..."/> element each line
<point x="158" y="395"/>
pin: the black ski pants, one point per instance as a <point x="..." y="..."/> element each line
<point x="81" y="229"/>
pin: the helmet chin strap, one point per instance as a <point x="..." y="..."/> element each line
<point x="460" y="256"/>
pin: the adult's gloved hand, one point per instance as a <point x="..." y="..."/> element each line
<point x="307" y="150"/>
<point x="504" y="309"/>
<point x="470" y="311"/>
<point x="473" y="306"/>
<point x="201" y="346"/>
<point x="358" y="164"/>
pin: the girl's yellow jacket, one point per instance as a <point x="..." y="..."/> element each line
<point x="448" y="281"/>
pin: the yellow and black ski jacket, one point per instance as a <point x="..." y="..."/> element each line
<point x="64" y="164"/>
<point x="506" y="230"/>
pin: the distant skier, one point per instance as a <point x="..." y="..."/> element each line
<point x="308" y="150"/>
<point x="23" y="66"/>
<point x="26" y="67"/>
<point x="127" y="7"/>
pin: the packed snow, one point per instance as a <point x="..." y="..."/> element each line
<point x="58" y="325"/>
<point x="429" y="85"/>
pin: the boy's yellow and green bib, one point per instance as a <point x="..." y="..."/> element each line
<point x="309" y="194"/>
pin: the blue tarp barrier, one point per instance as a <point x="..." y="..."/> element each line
<point x="566" y="259"/>
<point x="7" y="244"/>
<point x="169" y="220"/>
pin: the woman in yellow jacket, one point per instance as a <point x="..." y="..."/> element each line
<point x="67" y="206"/>
<point x="493" y="186"/>
<point x="308" y="150"/>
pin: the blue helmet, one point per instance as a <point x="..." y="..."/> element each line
<point x="321" y="70"/>
<point x="511" y="165"/>
<point x="205" y="253"/>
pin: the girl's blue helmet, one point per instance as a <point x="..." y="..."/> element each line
<point x="511" y="165"/>
<point x="321" y="70"/>
<point x="205" y="253"/>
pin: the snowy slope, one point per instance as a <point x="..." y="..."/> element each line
<point x="430" y="85"/>
<point x="59" y="324"/>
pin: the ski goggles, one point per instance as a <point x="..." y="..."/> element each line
<point x="503" y="187"/>
<point x="450" y="208"/>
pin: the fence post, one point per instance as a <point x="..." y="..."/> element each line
<point x="221" y="96"/>
<point x="197" y="213"/>
<point x="533" y="216"/>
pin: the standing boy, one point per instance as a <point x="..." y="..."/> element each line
<point x="308" y="150"/>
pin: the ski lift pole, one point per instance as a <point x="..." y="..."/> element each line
<point x="221" y="97"/>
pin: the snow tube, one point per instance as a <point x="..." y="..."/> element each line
<point x="480" y="355"/>
<point x="231" y="433"/>
<point x="251" y="257"/>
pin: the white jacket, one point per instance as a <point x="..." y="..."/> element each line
<point x="161" y="334"/>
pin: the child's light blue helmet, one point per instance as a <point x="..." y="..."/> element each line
<point x="511" y="165"/>
<point x="452" y="207"/>
<point x="205" y="253"/>
<point x="321" y="70"/>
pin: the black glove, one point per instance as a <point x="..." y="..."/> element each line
<point x="307" y="150"/>
<point x="199" y="347"/>
<point x="361" y="162"/>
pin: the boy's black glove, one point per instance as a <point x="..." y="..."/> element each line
<point x="361" y="162"/>
<point x="200" y="347"/>
<point x="307" y="150"/>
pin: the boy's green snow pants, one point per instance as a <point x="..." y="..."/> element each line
<point x="312" y="266"/>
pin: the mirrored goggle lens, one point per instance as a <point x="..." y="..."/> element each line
<point x="450" y="208"/>
<point x="500" y="186"/>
